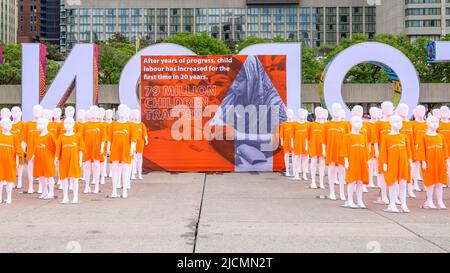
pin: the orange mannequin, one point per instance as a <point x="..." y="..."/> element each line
<point x="44" y="158"/>
<point x="419" y="129"/>
<point x="141" y="141"/>
<point x="121" y="147"/>
<point x="94" y="136"/>
<point x="408" y="131"/>
<point x="17" y="128"/>
<point x="375" y="115"/>
<point x="301" y="145"/>
<point x="10" y="152"/>
<point x="316" y="146"/>
<point x="355" y="151"/>
<point x="287" y="139"/>
<point x="69" y="153"/>
<point x="30" y="134"/>
<point x="433" y="153"/>
<point x="382" y="128"/>
<point x="395" y="157"/>
<point x="333" y="137"/>
<point x="108" y="122"/>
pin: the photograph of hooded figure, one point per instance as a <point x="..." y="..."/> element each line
<point x="254" y="108"/>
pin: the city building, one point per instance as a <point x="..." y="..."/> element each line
<point x="39" y="21"/>
<point x="8" y="21"/>
<point x="313" y="22"/>
<point x="50" y="21"/>
<point x="29" y="14"/>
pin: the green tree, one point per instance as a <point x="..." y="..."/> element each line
<point x="200" y="43"/>
<point x="119" y="38"/>
<point x="10" y="69"/>
<point x="112" y="60"/>
<point x="251" y="40"/>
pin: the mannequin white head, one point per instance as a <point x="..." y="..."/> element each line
<point x="57" y="112"/>
<point x="336" y="110"/>
<point x="70" y="112"/>
<point x="403" y="111"/>
<point x="109" y="115"/>
<point x="47" y="114"/>
<point x="445" y="113"/>
<point x="123" y="113"/>
<point x="357" y="111"/>
<point x="101" y="114"/>
<point x="16" y="113"/>
<point x="341" y="114"/>
<point x="373" y="111"/>
<point x="436" y="113"/>
<point x="324" y="116"/>
<point x="42" y="124"/>
<point x="318" y="113"/>
<point x="6" y="124"/>
<point x="93" y="113"/>
<point x="357" y="123"/>
<point x="69" y="123"/>
<point x="396" y="123"/>
<point x="419" y="113"/>
<point x="387" y="109"/>
<point x="290" y="114"/>
<point x="433" y="124"/>
<point x="303" y="115"/>
<point x="5" y="113"/>
<point x="37" y="112"/>
<point x="88" y="116"/>
<point x="134" y="115"/>
<point x="81" y="115"/>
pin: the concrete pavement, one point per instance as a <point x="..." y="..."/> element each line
<point x="230" y="212"/>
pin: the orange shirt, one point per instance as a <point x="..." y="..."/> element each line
<point x="407" y="130"/>
<point x="356" y="149"/>
<point x="395" y="151"/>
<point x="10" y="147"/>
<point x="316" y="132"/>
<point x="55" y="128"/>
<point x="94" y="134"/>
<point x="78" y="127"/>
<point x="30" y="134"/>
<point x="140" y="132"/>
<point x="122" y="135"/>
<point x="419" y="129"/>
<point x="370" y="126"/>
<point x="44" y="156"/>
<point x="444" y="129"/>
<point x="381" y="129"/>
<point x="300" y="138"/>
<point x="17" y="129"/>
<point x="108" y="129"/>
<point x="287" y="135"/>
<point x="68" y="150"/>
<point x="434" y="151"/>
<point x="334" y="136"/>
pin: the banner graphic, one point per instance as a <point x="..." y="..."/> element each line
<point x="213" y="113"/>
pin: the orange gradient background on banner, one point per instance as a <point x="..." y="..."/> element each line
<point x="168" y="82"/>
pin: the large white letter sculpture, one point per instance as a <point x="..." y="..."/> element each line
<point x="371" y="52"/>
<point x="79" y="68"/>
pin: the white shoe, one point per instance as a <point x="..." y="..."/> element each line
<point x="65" y="201"/>
<point x="133" y="177"/>
<point x="140" y="177"/>
<point x="75" y="201"/>
<point x="87" y="190"/>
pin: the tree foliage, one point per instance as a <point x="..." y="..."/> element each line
<point x="200" y="44"/>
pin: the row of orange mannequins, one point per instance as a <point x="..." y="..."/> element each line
<point x="388" y="146"/>
<point x="67" y="150"/>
